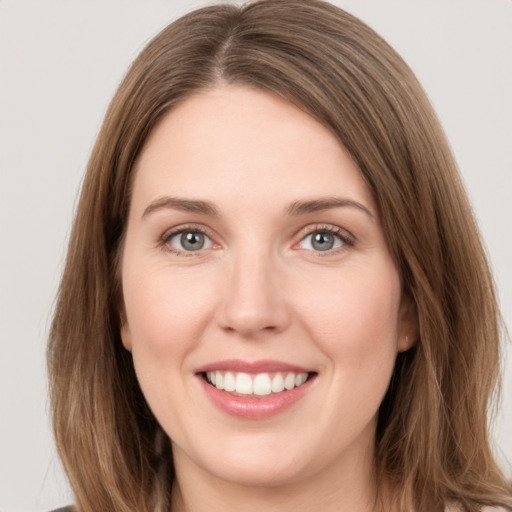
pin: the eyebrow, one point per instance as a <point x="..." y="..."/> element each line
<point x="186" y="205"/>
<point x="296" y="208"/>
<point x="325" y="203"/>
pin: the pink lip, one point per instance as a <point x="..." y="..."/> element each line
<point x="248" y="407"/>
<point x="262" y="366"/>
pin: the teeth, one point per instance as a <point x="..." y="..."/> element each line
<point x="289" y="381"/>
<point x="229" y="382"/>
<point x="219" y="380"/>
<point x="277" y="383"/>
<point x="243" y="384"/>
<point x="261" y="384"/>
<point x="300" y="378"/>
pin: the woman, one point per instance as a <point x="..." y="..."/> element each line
<point x="284" y="302"/>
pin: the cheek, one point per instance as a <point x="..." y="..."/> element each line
<point x="166" y="313"/>
<point x="165" y="310"/>
<point x="354" y="316"/>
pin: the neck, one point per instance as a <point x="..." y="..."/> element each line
<point x="335" y="489"/>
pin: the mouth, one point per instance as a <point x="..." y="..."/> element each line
<point x="255" y="390"/>
<point x="257" y="385"/>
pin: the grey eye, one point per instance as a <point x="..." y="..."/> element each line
<point x="190" y="241"/>
<point x="321" y="241"/>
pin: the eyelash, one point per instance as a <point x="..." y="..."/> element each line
<point x="346" y="239"/>
<point x="188" y="228"/>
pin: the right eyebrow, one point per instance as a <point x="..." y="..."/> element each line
<point x="326" y="203"/>
<point x="177" y="203"/>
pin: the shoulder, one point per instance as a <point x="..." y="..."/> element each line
<point x="63" y="509"/>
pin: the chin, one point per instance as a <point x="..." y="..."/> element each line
<point x="249" y="473"/>
<point x="253" y="464"/>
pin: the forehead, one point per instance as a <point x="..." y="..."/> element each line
<point x="240" y="142"/>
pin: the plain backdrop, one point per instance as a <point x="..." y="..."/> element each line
<point x="60" y="63"/>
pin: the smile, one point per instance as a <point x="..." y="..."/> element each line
<point x="260" y="384"/>
<point x="255" y="390"/>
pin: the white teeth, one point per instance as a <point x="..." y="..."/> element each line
<point x="243" y="384"/>
<point x="289" y="381"/>
<point x="261" y="384"/>
<point x="219" y="380"/>
<point x="300" y="378"/>
<point x="229" y="382"/>
<point x="278" y="383"/>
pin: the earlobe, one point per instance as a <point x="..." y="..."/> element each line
<point x="124" y="332"/>
<point x="408" y="331"/>
<point x="126" y="338"/>
<point x="405" y="343"/>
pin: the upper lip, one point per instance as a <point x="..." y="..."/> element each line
<point x="261" y="366"/>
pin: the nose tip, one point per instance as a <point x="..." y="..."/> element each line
<point x="253" y="302"/>
<point x="248" y="321"/>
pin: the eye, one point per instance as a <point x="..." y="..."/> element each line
<point x="189" y="241"/>
<point x="323" y="240"/>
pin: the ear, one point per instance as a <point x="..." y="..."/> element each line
<point x="408" y="328"/>
<point x="124" y="330"/>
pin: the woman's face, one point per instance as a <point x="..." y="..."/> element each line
<point x="255" y="261"/>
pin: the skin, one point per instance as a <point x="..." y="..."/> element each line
<point x="259" y="290"/>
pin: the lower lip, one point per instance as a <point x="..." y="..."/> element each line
<point x="255" y="408"/>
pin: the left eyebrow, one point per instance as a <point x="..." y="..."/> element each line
<point x="325" y="203"/>
<point x="178" y="203"/>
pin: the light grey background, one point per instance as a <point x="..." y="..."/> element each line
<point x="60" y="63"/>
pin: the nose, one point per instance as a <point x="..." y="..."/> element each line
<point x="253" y="299"/>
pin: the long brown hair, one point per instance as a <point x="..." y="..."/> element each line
<point x="432" y="438"/>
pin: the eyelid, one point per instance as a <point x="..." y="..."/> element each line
<point x="168" y="234"/>
<point x="348" y="240"/>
